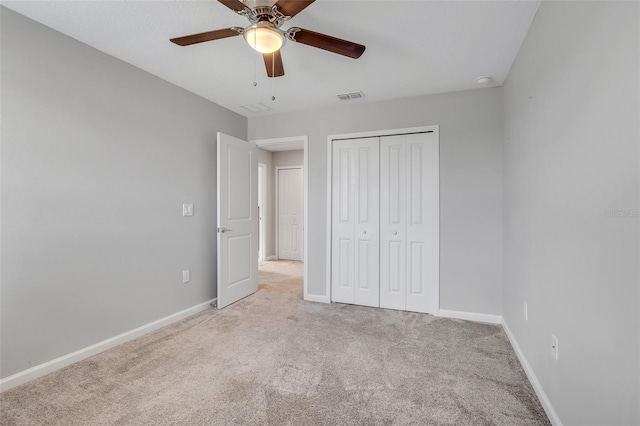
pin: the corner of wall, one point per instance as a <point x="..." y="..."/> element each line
<point x="535" y="383"/>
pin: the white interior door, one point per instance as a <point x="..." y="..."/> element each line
<point x="393" y="222"/>
<point x="423" y="223"/>
<point x="385" y="222"/>
<point x="237" y="219"/>
<point x="342" y="223"/>
<point x="290" y="210"/>
<point x="355" y="222"/>
<point x="409" y="222"/>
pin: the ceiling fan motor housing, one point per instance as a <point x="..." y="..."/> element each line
<point x="265" y="14"/>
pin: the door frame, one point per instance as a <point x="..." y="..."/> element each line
<point x="295" y="142"/>
<point x="277" y="202"/>
<point x="375" y="133"/>
<point x="262" y="174"/>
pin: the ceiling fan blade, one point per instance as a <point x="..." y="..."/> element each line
<point x="292" y="7"/>
<point x="273" y="63"/>
<point x="235" y="5"/>
<point x="326" y="42"/>
<point x="208" y="36"/>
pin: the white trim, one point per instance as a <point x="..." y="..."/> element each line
<point x="390" y="132"/>
<point x="280" y="141"/>
<point x="305" y="236"/>
<point x="277" y="204"/>
<point x="317" y="298"/>
<point x="305" y="219"/>
<point x="262" y="173"/>
<point x="542" y="396"/>
<point x="65" y="360"/>
<point x="374" y="133"/>
<point x="329" y="235"/>
<point x="535" y="383"/>
<point x="470" y="316"/>
<point x="269" y="258"/>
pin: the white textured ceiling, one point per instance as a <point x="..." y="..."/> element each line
<point x="413" y="47"/>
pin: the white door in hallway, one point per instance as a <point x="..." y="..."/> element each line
<point x="237" y="219"/>
<point x="290" y="213"/>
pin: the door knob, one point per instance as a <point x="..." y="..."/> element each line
<point x="223" y="229"/>
<point x="364" y="232"/>
<point x="395" y="233"/>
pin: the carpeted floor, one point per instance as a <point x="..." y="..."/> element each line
<point x="274" y="359"/>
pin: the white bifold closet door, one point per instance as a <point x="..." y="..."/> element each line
<point x="385" y="222"/>
<point x="409" y="222"/>
<point x="355" y="222"/>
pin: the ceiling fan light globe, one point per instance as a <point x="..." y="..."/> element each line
<point x="264" y="38"/>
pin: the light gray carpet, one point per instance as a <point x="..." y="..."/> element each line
<point x="274" y="359"/>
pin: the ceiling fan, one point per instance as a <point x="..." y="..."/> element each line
<point x="265" y="36"/>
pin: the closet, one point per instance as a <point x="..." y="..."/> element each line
<point x="385" y="221"/>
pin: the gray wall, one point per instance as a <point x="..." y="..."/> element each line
<point x="471" y="134"/>
<point x="97" y="159"/>
<point x="288" y="158"/>
<point x="571" y="157"/>
<point x="268" y="216"/>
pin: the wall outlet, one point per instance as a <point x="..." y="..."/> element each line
<point x="526" y="311"/>
<point x="187" y="210"/>
<point x="554" y="347"/>
<point x="186" y="276"/>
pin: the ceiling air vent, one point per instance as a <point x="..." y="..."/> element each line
<point x="352" y="95"/>
<point x="259" y="107"/>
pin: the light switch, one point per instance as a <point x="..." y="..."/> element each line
<point x="187" y="210"/>
<point x="186" y="276"/>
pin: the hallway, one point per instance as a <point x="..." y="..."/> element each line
<point x="278" y="271"/>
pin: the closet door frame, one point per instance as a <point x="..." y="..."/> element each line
<point x="435" y="129"/>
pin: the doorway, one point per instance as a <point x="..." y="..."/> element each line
<point x="279" y="155"/>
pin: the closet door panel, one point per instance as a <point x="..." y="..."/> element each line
<point x="367" y="223"/>
<point x="342" y="223"/>
<point x="385" y="222"/>
<point x="422" y="223"/>
<point x="393" y="199"/>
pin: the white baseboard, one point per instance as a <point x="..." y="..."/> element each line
<point x="470" y="316"/>
<point x="271" y="258"/>
<point x="65" y="360"/>
<point x="317" y="298"/>
<point x="542" y="396"/>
